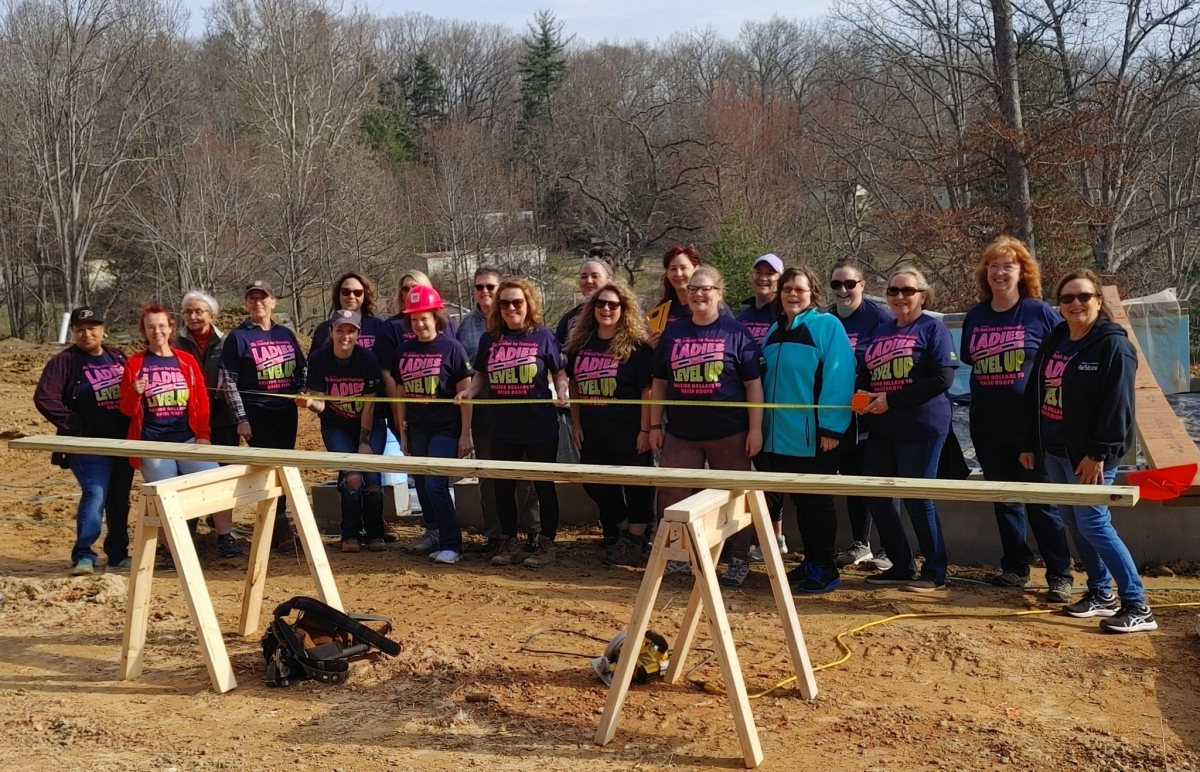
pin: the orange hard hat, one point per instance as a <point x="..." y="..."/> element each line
<point x="419" y="299"/>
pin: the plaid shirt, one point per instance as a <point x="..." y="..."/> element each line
<point x="470" y="329"/>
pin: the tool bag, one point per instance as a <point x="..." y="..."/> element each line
<point x="320" y="642"/>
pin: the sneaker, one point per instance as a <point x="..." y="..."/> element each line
<point x="816" y="580"/>
<point x="446" y="556"/>
<point x="228" y="546"/>
<point x="428" y="542"/>
<point x="1132" y="618"/>
<point x="124" y="564"/>
<point x="782" y="541"/>
<point x="84" y="567"/>
<point x="1093" y="604"/>
<point x="677" y="568"/>
<point x="350" y="545"/>
<point x="1059" y="589"/>
<point x="756" y="556"/>
<point x="624" y="553"/>
<point x="925" y="585"/>
<point x="509" y="552"/>
<point x="857" y="553"/>
<point x="377" y="545"/>
<point x="1009" y="579"/>
<point x="880" y="562"/>
<point x="735" y="573"/>
<point x="543" y="554"/>
<point x="390" y="533"/>
<point x="891" y="578"/>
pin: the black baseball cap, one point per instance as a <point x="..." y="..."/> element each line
<point x="260" y="286"/>
<point x="86" y="315"/>
<point x="342" y="316"/>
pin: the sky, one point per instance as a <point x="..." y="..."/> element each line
<point x="593" y="21"/>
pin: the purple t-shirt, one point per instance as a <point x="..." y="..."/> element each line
<point x="860" y="326"/>
<point x="432" y="369"/>
<point x="563" y="331"/>
<point x="264" y="360"/>
<point x="341" y="380"/>
<point x="519" y="366"/>
<point x="597" y="375"/>
<point x="757" y="319"/>
<point x="165" y="401"/>
<point x="894" y="358"/>
<point x="708" y="363"/>
<point x="1000" y="347"/>
<point x="98" y="398"/>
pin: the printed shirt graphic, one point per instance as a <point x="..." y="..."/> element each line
<point x="1051" y="409"/>
<point x="165" y="401"/>
<point x="339" y="379"/>
<point x="597" y="375"/>
<point x="267" y="361"/>
<point x="707" y="363"/>
<point x="896" y="357"/>
<point x="519" y="366"/>
<point x="757" y="320"/>
<point x="433" y="370"/>
<point x="1000" y="348"/>
<point x="97" y="400"/>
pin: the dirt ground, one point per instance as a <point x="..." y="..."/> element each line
<point x="1041" y="692"/>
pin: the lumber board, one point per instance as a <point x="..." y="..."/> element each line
<point x="832" y="485"/>
<point x="1165" y="441"/>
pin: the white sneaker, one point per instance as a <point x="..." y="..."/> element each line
<point x="782" y="544"/>
<point x="428" y="542"/>
<point x="446" y="556"/>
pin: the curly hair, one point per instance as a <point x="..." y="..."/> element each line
<point x="1087" y="274"/>
<point x="689" y="251"/>
<point x="631" y="327"/>
<point x="1008" y="247"/>
<point x="368" y="302"/>
<point x="533" y="307"/>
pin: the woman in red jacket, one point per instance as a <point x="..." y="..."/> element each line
<point x="164" y="394"/>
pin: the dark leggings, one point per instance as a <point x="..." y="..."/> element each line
<point x="815" y="515"/>
<point x="274" y="429"/>
<point x="545" y="451"/>
<point x="618" y="503"/>
<point x="851" y="463"/>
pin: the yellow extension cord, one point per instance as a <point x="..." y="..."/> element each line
<point x="847" y="653"/>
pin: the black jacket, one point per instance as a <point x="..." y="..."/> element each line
<point x="1097" y="395"/>
<point x="210" y="361"/>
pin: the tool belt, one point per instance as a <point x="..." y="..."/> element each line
<point x="320" y="642"/>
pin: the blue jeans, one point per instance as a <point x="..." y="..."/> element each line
<point x="919" y="460"/>
<point x="105" y="482"/>
<point x="343" y="441"/>
<point x="155" y="469"/>
<point x="1096" y="540"/>
<point x="999" y="461"/>
<point x="434" y="492"/>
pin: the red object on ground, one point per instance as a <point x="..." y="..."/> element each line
<point x="1163" y="484"/>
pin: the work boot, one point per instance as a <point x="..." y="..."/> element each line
<point x="543" y="554"/>
<point x="624" y="553"/>
<point x="509" y="552"/>
<point x="350" y="545"/>
<point x="283" y="540"/>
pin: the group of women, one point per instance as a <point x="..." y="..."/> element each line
<point x="1066" y="373"/>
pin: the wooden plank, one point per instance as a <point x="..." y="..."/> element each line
<point x="195" y="592"/>
<point x="784" y="601"/>
<point x="141" y="579"/>
<point x="688" y="628"/>
<point x="1165" y="442"/>
<point x="833" y="485"/>
<point x="256" y="570"/>
<point x="231" y="472"/>
<point x="697" y="506"/>
<point x="643" y="608"/>
<point x="310" y="539"/>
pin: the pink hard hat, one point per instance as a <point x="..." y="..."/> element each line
<point x="420" y="299"/>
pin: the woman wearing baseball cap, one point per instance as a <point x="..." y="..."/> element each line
<point x="433" y="364"/>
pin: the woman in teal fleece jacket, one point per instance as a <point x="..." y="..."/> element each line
<point x="809" y="361"/>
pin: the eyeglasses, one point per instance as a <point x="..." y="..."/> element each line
<point x="611" y="305"/>
<point x="706" y="289"/>
<point x="847" y="285"/>
<point x="1082" y="297"/>
<point x="357" y="293"/>
<point x="1005" y="268"/>
<point x="907" y="292"/>
<point x="487" y="287"/>
<point x="796" y="290"/>
<point x="518" y="303"/>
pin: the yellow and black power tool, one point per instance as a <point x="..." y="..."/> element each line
<point x="653" y="658"/>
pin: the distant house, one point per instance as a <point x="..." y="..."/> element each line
<point x="519" y="260"/>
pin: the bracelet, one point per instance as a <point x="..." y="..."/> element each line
<point x="656" y="426"/>
<point x="643" y="431"/>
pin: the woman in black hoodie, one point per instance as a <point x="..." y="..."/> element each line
<point x="1080" y="410"/>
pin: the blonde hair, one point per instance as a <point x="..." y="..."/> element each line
<point x="922" y="282"/>
<point x="533" y="307"/>
<point x="631" y="327"/>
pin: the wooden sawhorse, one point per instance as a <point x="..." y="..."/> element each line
<point x="170" y="504"/>
<point x="694" y="530"/>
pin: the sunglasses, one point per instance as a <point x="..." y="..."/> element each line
<point x="355" y="293"/>
<point x="488" y="287"/>
<point x="907" y="292"/>
<point x="1082" y="297"/>
<point x="611" y="305"/>
<point x="848" y="284"/>
<point x="693" y="290"/>
<point x="518" y="303"/>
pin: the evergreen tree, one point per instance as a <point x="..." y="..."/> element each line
<point x="543" y="67"/>
<point x="387" y="125"/>
<point x="426" y="95"/>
